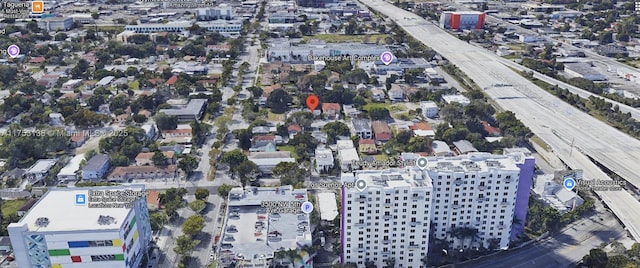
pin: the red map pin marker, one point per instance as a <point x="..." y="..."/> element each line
<point x="312" y="102"/>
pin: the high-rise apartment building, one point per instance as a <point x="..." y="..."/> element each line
<point x="387" y="220"/>
<point x="468" y="201"/>
<point x="68" y="228"/>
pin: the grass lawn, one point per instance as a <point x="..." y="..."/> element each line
<point x="380" y="157"/>
<point x="289" y="148"/>
<point x="537" y="140"/>
<point x="511" y="57"/>
<point x="11" y="206"/>
<point x="275" y="117"/>
<point x="135" y="84"/>
<point x="516" y="47"/>
<point x="373" y="105"/>
<point x="341" y="38"/>
<point x="111" y="28"/>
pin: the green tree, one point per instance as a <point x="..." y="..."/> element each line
<point x="166" y="122"/>
<point x="233" y="158"/>
<point x="159" y="159"/>
<point x="290" y="173"/>
<point x="197" y="206"/>
<point x="595" y="259"/>
<point x="158" y="220"/>
<point x="279" y="101"/>
<point x="379" y="113"/>
<point x="202" y="194"/>
<point x="185" y="245"/>
<point x="244" y="138"/>
<point x="246" y="171"/>
<point x="188" y="164"/>
<point x="193" y="225"/>
<point x="223" y="190"/>
<point x="335" y="129"/>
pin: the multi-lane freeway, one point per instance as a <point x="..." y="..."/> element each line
<point x="571" y="133"/>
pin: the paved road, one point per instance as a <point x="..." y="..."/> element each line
<point x="556" y="122"/>
<point x="561" y="250"/>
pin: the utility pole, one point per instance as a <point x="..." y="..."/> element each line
<point x="571" y="150"/>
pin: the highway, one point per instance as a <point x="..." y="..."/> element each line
<point x="559" y="124"/>
<point x="635" y="113"/>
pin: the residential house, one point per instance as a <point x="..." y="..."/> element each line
<point x="320" y="136"/>
<point x="150" y="130"/>
<point x="48" y="80"/>
<point x="377" y="95"/>
<point x="16" y="175"/>
<point x="56" y="119"/>
<point x="347" y="155"/>
<point x="39" y="170"/>
<point x="261" y="130"/>
<point x="491" y="130"/>
<point x="171" y="81"/>
<point x="293" y="130"/>
<point x="144" y="159"/>
<point x="263" y="146"/>
<point x="96" y="167"/>
<point x="381" y="131"/>
<point x="422" y="129"/>
<point x="177" y="148"/>
<point x="350" y="111"/>
<point x="126" y="174"/>
<point x="429" y="109"/>
<point x="367" y="146"/>
<point x="179" y="135"/>
<point x="70" y="171"/>
<point x="78" y="138"/>
<point x="324" y="159"/>
<point x="462" y="100"/>
<point x="441" y="148"/>
<point x="396" y="93"/>
<point x="275" y="138"/>
<point x="464" y="147"/>
<point x="361" y="128"/>
<point x="331" y="110"/>
<point x="266" y="161"/>
<point x="153" y="200"/>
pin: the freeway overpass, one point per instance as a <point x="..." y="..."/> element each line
<point x="542" y="112"/>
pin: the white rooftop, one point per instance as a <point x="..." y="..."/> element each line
<point x="348" y="155"/>
<point x="72" y="167"/>
<point x="42" y="166"/>
<point x="328" y="206"/>
<point x="58" y="205"/>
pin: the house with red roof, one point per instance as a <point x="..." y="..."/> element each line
<point x="172" y="81"/>
<point x="331" y="110"/>
<point x="294" y="129"/>
<point x="491" y="130"/>
<point x="367" y="146"/>
<point x="381" y="131"/>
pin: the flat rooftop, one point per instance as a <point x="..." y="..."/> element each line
<point x="58" y="205"/>
<point x="390" y="178"/>
<point x="253" y="234"/>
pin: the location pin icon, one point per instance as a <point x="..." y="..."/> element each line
<point x="13" y="51"/>
<point x="312" y="102"/>
<point x="386" y="57"/>
<point x="569" y="183"/>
